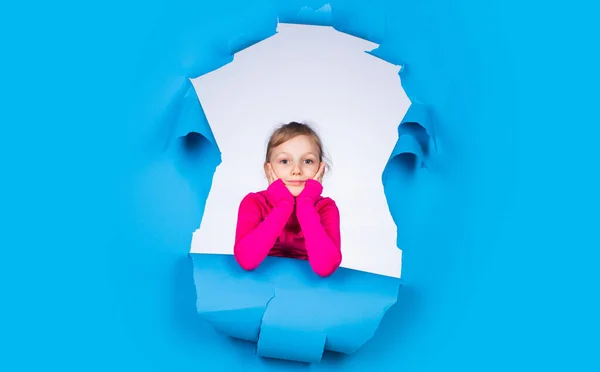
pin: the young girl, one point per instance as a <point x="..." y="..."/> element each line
<point x="290" y="218"/>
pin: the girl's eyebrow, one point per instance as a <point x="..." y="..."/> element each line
<point x="286" y="153"/>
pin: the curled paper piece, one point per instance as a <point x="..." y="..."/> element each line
<point x="407" y="146"/>
<point x="290" y="312"/>
<point x="183" y="115"/>
<point x="418" y="122"/>
<point x="189" y="115"/>
<point x="414" y="142"/>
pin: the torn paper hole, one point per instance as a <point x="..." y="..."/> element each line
<point x="355" y="101"/>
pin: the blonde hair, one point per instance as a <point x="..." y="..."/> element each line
<point x="290" y="130"/>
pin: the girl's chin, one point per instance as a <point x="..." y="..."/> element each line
<point x="295" y="190"/>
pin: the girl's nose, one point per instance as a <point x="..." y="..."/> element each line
<point x="296" y="170"/>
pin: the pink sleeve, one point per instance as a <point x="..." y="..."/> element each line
<point x="255" y="236"/>
<point x="321" y="227"/>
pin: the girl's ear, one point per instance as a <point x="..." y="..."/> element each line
<point x="326" y="169"/>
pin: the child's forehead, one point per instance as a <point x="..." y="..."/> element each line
<point x="299" y="141"/>
<point x="303" y="148"/>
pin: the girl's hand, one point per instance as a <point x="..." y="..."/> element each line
<point x="271" y="176"/>
<point x="319" y="175"/>
<point x="312" y="190"/>
<point x="278" y="192"/>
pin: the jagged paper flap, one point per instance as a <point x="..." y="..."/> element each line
<point x="301" y="307"/>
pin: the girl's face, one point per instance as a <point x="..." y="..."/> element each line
<point x="295" y="161"/>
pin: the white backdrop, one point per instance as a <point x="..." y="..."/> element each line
<point x="322" y="77"/>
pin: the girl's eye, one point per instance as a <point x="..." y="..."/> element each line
<point x="308" y="161"/>
<point x="283" y="161"/>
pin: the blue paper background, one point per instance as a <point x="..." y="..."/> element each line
<point x="500" y="248"/>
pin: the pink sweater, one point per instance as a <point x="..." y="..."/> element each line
<point x="274" y="223"/>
